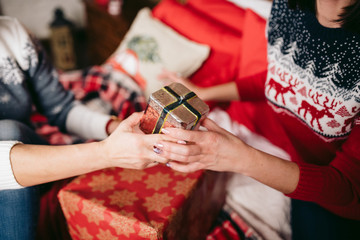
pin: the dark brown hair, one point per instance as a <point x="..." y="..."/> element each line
<point x="349" y="18"/>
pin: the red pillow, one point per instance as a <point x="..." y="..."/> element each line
<point x="224" y="13"/>
<point x="254" y="45"/>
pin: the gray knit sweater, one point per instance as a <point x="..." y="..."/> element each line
<point x="28" y="79"/>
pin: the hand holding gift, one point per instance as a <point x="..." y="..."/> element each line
<point x="173" y="110"/>
<point x="213" y="149"/>
<point x="219" y="150"/>
<point x="126" y="147"/>
<point x="129" y="147"/>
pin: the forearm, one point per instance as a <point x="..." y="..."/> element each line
<point x="219" y="150"/>
<point x="36" y="164"/>
<point x="282" y="175"/>
<point x="220" y="93"/>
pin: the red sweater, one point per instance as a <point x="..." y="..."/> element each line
<point x="313" y="90"/>
<point x="329" y="168"/>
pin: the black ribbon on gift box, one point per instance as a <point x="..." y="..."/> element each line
<point x="180" y="100"/>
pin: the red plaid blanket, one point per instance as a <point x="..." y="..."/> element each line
<point x="230" y="226"/>
<point x="101" y="88"/>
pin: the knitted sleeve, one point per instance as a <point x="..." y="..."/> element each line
<point x="251" y="88"/>
<point x="49" y="95"/>
<point x="336" y="186"/>
<point x="41" y="78"/>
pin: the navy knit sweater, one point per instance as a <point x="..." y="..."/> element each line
<point x="312" y="85"/>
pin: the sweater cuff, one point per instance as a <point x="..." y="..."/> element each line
<point x="310" y="184"/>
<point x="7" y="178"/>
<point x="87" y="123"/>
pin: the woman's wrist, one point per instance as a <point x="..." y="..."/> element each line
<point x="222" y="92"/>
<point x="280" y="174"/>
<point x="245" y="156"/>
<point x="250" y="161"/>
<point x="202" y="93"/>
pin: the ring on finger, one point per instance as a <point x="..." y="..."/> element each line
<point x="157" y="150"/>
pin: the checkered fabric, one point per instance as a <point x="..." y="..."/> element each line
<point x="101" y="88"/>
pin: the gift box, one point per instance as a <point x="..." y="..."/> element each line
<point x="155" y="203"/>
<point x="173" y="106"/>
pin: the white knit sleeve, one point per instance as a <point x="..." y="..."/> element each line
<point x="86" y="123"/>
<point x="7" y="179"/>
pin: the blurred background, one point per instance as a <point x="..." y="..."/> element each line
<point x="76" y="33"/>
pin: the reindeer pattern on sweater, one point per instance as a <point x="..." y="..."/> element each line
<point x="313" y="72"/>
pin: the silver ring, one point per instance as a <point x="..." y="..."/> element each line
<point x="157" y="150"/>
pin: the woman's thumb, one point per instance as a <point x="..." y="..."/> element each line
<point x="211" y="125"/>
<point x="133" y="119"/>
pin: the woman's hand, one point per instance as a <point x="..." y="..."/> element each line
<point x="219" y="150"/>
<point x="168" y="77"/>
<point x="215" y="149"/>
<point x="220" y="93"/>
<point x="126" y="147"/>
<point x="129" y="147"/>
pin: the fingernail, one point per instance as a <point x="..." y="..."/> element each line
<point x="165" y="131"/>
<point x="168" y="165"/>
<point x="157" y="150"/>
<point x="159" y="145"/>
<point x="181" y="142"/>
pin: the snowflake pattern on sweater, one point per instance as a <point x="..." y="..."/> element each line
<point x="9" y="72"/>
<point x="314" y="71"/>
<point x="27" y="78"/>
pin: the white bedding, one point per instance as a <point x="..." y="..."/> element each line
<point x="266" y="210"/>
<point x="261" y="7"/>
